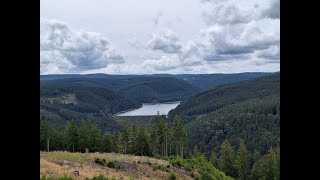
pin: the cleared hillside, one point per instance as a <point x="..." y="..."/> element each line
<point x="117" y="166"/>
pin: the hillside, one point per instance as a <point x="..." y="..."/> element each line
<point x="249" y="110"/>
<point x="61" y="102"/>
<point x="211" y="100"/>
<point x="209" y="81"/>
<point x="201" y="81"/>
<point x="117" y="166"/>
<point x="140" y="88"/>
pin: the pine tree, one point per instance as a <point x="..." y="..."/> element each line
<point x="142" y="141"/>
<point x="242" y="161"/>
<point x="196" y="152"/>
<point x="44" y="133"/>
<point x="213" y="159"/>
<point x="72" y="136"/>
<point x="154" y="140"/>
<point x="163" y="136"/>
<point x="227" y="159"/>
<point x="124" y="139"/>
<point x="179" y="135"/>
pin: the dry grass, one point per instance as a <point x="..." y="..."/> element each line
<point x="57" y="164"/>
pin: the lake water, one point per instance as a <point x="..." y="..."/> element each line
<point x="151" y="109"/>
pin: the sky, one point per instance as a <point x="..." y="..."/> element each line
<point x="159" y="36"/>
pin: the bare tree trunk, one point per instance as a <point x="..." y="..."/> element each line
<point x="73" y="147"/>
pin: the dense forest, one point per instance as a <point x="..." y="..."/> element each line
<point x="202" y="81"/>
<point x="143" y="89"/>
<point x="61" y="102"/>
<point x="221" y="96"/>
<point x="162" y="141"/>
<point x="249" y="110"/>
<point x="209" y="81"/>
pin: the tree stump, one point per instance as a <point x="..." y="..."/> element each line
<point x="76" y="173"/>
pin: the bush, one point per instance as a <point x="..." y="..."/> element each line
<point x="100" y="161"/>
<point x="172" y="176"/>
<point x="112" y="164"/>
<point x="100" y="178"/>
<point x="60" y="178"/>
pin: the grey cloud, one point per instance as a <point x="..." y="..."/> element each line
<point x="273" y="11"/>
<point x="70" y="51"/>
<point x="165" y="41"/>
<point x="226" y="57"/>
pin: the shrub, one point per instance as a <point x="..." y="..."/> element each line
<point x="100" y="161"/>
<point x="60" y="178"/>
<point x="172" y="176"/>
<point x="100" y="178"/>
<point x="112" y="164"/>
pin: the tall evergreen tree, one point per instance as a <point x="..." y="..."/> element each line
<point x="142" y="141"/>
<point x="154" y="140"/>
<point x="72" y="136"/>
<point x="163" y="136"/>
<point x="44" y="133"/>
<point x="227" y="159"/>
<point x="124" y="138"/>
<point x="242" y="161"/>
<point x="179" y="135"/>
<point x="213" y="159"/>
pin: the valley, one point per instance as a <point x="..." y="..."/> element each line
<point x="205" y="123"/>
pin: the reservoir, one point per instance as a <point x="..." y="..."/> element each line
<point x="149" y="109"/>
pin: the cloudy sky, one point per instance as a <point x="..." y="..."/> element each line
<point x="159" y="36"/>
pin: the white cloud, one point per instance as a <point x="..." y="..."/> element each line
<point x="237" y="36"/>
<point x="165" y="40"/>
<point x="165" y="63"/>
<point x="63" y="50"/>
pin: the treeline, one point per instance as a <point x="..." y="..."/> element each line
<point x="161" y="141"/>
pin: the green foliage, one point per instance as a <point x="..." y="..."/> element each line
<point x="114" y="165"/>
<point x="268" y="167"/>
<point x="61" y="102"/>
<point x="179" y="135"/>
<point x="101" y="177"/>
<point x="222" y="96"/>
<point x="199" y="167"/>
<point x="213" y="159"/>
<point x="242" y="161"/>
<point x="60" y="178"/>
<point x="100" y="161"/>
<point x="44" y="132"/>
<point x="142" y="142"/>
<point x="227" y="160"/>
<point x="172" y="176"/>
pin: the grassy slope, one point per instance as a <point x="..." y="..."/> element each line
<point x="58" y="164"/>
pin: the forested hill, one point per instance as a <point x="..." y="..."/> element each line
<point x="209" y="81"/>
<point x="221" y="96"/>
<point x="249" y="110"/>
<point x="61" y="102"/>
<point x="139" y="88"/>
<point x="202" y="81"/>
